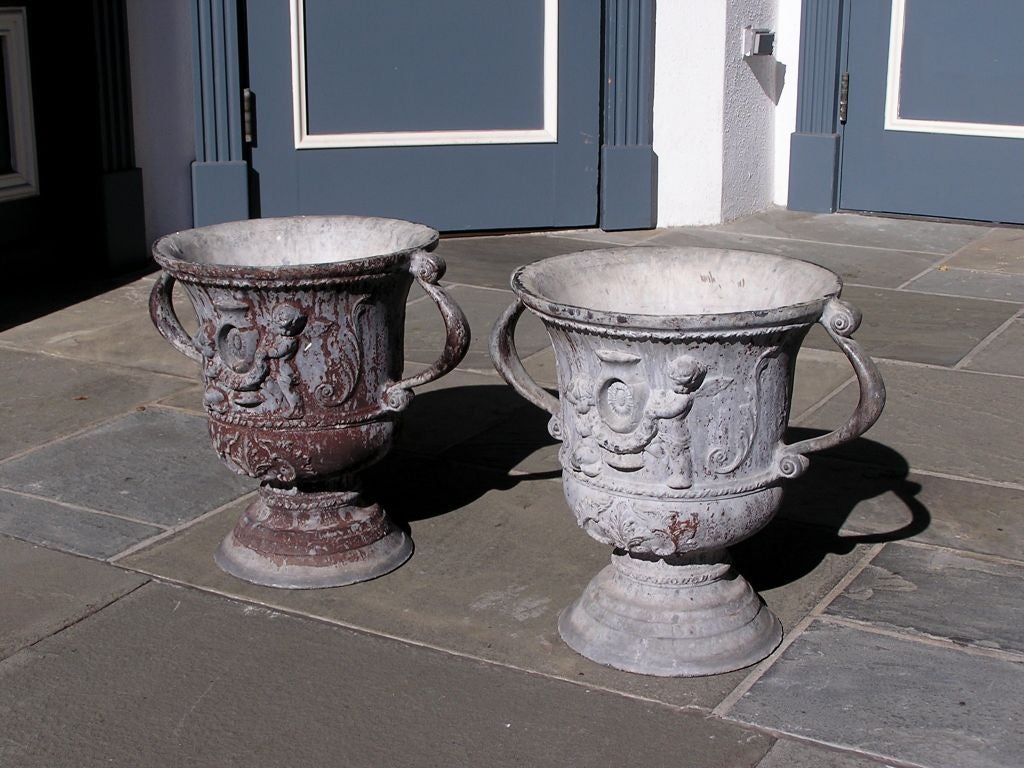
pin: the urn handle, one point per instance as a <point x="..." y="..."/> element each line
<point x="506" y="360"/>
<point x="428" y="270"/>
<point x="161" y="309"/>
<point x="841" y="319"/>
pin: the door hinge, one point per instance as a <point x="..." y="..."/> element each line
<point x="248" y="124"/>
<point x="844" y="97"/>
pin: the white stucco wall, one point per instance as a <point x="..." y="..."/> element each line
<point x="688" y="101"/>
<point x="787" y="51"/>
<point x="160" y="45"/>
<point x="722" y="143"/>
<point x="748" y="122"/>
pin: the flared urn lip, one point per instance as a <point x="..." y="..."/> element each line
<point x="529" y="283"/>
<point x="230" y="252"/>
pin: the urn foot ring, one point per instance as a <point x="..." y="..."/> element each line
<point x="312" y="540"/>
<point x="655" y="618"/>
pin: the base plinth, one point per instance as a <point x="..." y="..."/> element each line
<point x="682" y="616"/>
<point x="311" y="539"/>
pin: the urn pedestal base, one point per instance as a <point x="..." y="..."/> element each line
<point x="300" y="539"/>
<point x="679" y="616"/>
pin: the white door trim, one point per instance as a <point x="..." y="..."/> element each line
<point x="893" y="120"/>
<point x="22" y="182"/>
<point x="306" y="140"/>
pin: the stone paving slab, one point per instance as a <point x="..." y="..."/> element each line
<point x="424" y="330"/>
<point x="72" y="530"/>
<point x="786" y="753"/>
<point x="955" y="422"/>
<point x="893" y="698"/>
<point x="496" y="560"/>
<point x="167" y="676"/>
<point x="45" y="397"/>
<point x="871" y="503"/>
<point x="42" y="592"/>
<point x="969" y="282"/>
<point x="818" y="374"/>
<point x="854" y="229"/>
<point x="188" y="399"/>
<point x="1001" y="250"/>
<point x="941" y="593"/>
<point x="490" y="261"/>
<point x="1003" y="354"/>
<point x="920" y="328"/>
<point x="111" y="328"/>
<point x="155" y="466"/>
<point x="855" y="264"/>
<point x="541" y="366"/>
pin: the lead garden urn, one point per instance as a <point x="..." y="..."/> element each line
<point x="675" y="372"/>
<point x="300" y="339"/>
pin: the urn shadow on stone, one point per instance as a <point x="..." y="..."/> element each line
<point x="675" y="370"/>
<point x="300" y="344"/>
<point x="416" y="483"/>
<point x="815" y="509"/>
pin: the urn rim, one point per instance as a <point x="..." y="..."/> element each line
<point x="217" y="252"/>
<point x="528" y="284"/>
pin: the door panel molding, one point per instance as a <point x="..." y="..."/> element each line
<point x="928" y="173"/>
<point x="304" y="139"/>
<point x="232" y="180"/>
<point x="123" y="212"/>
<point x="895" y="122"/>
<point x="220" y="174"/>
<point x="629" y="167"/>
<point x="814" y="146"/>
<point x="22" y="179"/>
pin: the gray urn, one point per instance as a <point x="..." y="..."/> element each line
<point x="675" y="371"/>
<point x="300" y="343"/>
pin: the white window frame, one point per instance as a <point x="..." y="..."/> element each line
<point x="23" y="181"/>
<point x="893" y="120"/>
<point x="548" y="134"/>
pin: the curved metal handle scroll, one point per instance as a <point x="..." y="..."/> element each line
<point x="841" y="320"/>
<point x="428" y="270"/>
<point x="161" y="309"/>
<point x="506" y="360"/>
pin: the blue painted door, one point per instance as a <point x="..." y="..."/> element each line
<point x="463" y="114"/>
<point x="935" y="121"/>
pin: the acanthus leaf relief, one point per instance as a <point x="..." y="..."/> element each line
<point x="338" y="343"/>
<point x="748" y="420"/>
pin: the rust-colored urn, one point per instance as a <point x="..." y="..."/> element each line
<point x="300" y="339"/>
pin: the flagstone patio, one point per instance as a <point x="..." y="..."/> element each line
<point x="896" y="563"/>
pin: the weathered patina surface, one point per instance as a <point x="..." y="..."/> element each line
<point x="675" y="369"/>
<point x="300" y="340"/>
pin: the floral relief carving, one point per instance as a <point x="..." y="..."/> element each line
<point x="623" y="523"/>
<point x="261" y="457"/>
<point x="245" y="363"/>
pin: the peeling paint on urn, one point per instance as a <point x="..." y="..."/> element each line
<point x="300" y="340"/>
<point x="675" y="370"/>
